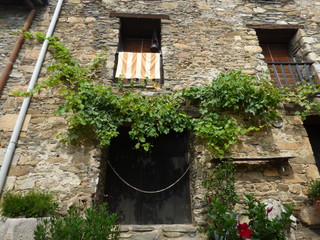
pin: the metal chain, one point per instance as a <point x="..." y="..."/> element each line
<point x="149" y="192"/>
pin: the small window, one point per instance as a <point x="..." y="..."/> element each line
<point x="279" y="53"/>
<point x="137" y="34"/>
<point x="139" y="51"/>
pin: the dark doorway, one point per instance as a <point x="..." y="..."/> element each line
<point x="312" y="125"/>
<point x="152" y="171"/>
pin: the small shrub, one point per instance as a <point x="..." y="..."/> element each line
<point x="263" y="227"/>
<point x="96" y="224"/>
<point x="31" y="204"/>
<point x="221" y="198"/>
<point x="314" y="189"/>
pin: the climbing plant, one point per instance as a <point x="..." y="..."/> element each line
<point x="231" y="105"/>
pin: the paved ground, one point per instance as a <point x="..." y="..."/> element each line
<point x="308" y="233"/>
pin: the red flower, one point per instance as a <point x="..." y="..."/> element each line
<point x="269" y="209"/>
<point x="244" y="231"/>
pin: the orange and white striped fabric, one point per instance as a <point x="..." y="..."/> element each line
<point x="138" y="65"/>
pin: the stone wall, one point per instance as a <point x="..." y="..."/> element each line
<point x="201" y="39"/>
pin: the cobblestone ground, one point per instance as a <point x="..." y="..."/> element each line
<point x="304" y="233"/>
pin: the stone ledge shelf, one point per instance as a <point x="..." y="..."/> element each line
<point x="259" y="159"/>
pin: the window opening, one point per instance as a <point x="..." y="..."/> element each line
<point x="165" y="169"/>
<point x="277" y="48"/>
<point x="139" y="57"/>
<point x="312" y="126"/>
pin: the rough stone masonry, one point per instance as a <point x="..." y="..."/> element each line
<point x="200" y="39"/>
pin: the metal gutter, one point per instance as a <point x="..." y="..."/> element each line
<point x="25" y="105"/>
<point x="5" y="74"/>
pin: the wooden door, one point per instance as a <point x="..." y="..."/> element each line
<point x="137" y="45"/>
<point x="149" y="171"/>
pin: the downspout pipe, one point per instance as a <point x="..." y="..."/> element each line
<point x="16" y="48"/>
<point x="25" y="105"/>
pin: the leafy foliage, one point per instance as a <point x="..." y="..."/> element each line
<point x="221" y="198"/>
<point x="221" y="219"/>
<point x="314" y="189"/>
<point x="264" y="228"/>
<point x="96" y="224"/>
<point x="221" y="222"/>
<point x="304" y="96"/>
<point x="233" y="104"/>
<point x="32" y="204"/>
<point x="220" y="184"/>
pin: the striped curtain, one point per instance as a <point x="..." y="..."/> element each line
<point x="132" y="65"/>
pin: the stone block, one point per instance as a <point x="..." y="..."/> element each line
<point x="307" y="159"/>
<point x="287" y="145"/>
<point x="295" y="189"/>
<point x="253" y="49"/>
<point x="271" y="172"/>
<point x="8" y="121"/>
<point x="72" y="169"/>
<point x="19" y="170"/>
<point x="28" y="160"/>
<point x="308" y="40"/>
<point x="295" y="178"/>
<point x="282" y="187"/>
<point x="32" y="53"/>
<point x="14" y="229"/>
<point x="125" y="235"/>
<point x="259" y="10"/>
<point x="142" y="228"/>
<point x="312" y="57"/>
<point x="75" y="20"/>
<point x="179" y="228"/>
<point x="180" y="46"/>
<point x="2" y="153"/>
<point x="263" y="187"/>
<point x="10" y="181"/>
<point x="312" y="172"/>
<point x="172" y="234"/>
<point x="24" y="184"/>
<point x="56" y="160"/>
<point x="81" y="159"/>
<point x="308" y="215"/>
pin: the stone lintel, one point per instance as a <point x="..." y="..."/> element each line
<point x="275" y="26"/>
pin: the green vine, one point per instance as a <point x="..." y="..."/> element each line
<point x="233" y="104"/>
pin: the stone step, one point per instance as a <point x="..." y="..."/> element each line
<point x="160" y="232"/>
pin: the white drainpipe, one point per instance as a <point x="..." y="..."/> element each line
<point x="25" y="105"/>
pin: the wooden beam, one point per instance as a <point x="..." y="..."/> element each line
<point x="133" y="15"/>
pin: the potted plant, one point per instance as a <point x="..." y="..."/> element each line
<point x="314" y="192"/>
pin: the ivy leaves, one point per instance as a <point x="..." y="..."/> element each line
<point x="233" y="104"/>
<point x="152" y="116"/>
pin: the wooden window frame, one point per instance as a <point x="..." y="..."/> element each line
<point x="130" y="28"/>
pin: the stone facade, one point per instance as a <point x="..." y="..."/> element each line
<point x="200" y="39"/>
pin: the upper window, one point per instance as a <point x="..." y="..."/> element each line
<point x="279" y="50"/>
<point x="139" y="35"/>
<point x="139" y="51"/>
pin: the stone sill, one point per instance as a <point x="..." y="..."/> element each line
<point x="137" y="86"/>
<point x="270" y="1"/>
